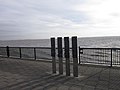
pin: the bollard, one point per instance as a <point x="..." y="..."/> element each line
<point x="53" y="55"/>
<point x="75" y="56"/>
<point x="67" y="55"/>
<point x="60" y="54"/>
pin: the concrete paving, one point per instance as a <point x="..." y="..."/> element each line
<point x="16" y="74"/>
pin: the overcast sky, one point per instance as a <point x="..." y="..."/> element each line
<point x="36" y="19"/>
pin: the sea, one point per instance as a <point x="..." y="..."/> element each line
<point x="94" y="42"/>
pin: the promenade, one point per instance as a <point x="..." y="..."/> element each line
<point x="16" y="74"/>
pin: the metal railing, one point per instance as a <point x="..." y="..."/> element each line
<point x="26" y="52"/>
<point x="35" y="53"/>
<point x="98" y="56"/>
<point x="103" y="56"/>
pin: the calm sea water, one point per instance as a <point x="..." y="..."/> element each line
<point x="113" y="42"/>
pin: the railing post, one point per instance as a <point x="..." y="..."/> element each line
<point x="111" y="58"/>
<point x="67" y="55"/>
<point x="35" y="53"/>
<point x="20" y="52"/>
<point x="75" y="56"/>
<point x="53" y="55"/>
<point x="60" y="54"/>
<point x="79" y="55"/>
<point x="8" y="53"/>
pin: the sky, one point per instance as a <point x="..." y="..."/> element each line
<point x="41" y="19"/>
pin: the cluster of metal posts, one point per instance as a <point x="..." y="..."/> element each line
<point x="66" y="55"/>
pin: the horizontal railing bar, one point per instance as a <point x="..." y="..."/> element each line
<point x="33" y="47"/>
<point x="102" y="48"/>
<point x="30" y="47"/>
<point x="57" y="48"/>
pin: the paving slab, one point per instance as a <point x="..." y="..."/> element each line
<point x="16" y="74"/>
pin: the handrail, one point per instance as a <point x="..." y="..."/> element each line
<point x="32" y="47"/>
<point x="29" y="47"/>
<point x="99" y="48"/>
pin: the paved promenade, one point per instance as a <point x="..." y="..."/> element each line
<point x="16" y="74"/>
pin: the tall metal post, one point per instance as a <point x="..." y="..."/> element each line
<point x="75" y="56"/>
<point x="53" y="55"/>
<point x="67" y="55"/>
<point x="60" y="54"/>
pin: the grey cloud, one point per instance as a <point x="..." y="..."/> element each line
<point x="20" y="18"/>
